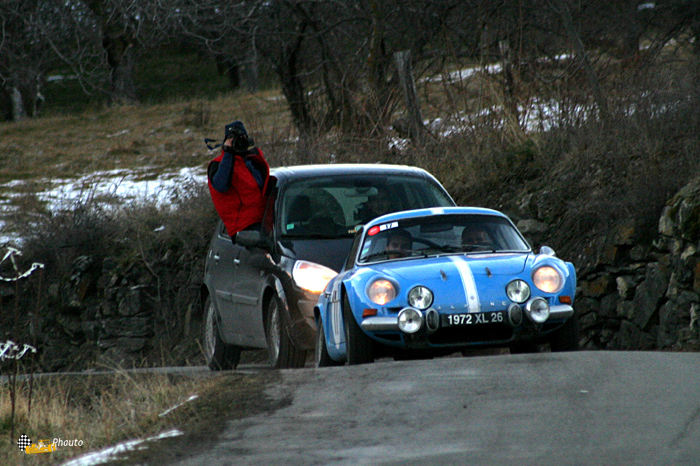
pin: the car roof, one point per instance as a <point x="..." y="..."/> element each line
<point x="435" y="211"/>
<point x="310" y="171"/>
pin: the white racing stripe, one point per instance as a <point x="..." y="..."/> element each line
<point x="470" y="292"/>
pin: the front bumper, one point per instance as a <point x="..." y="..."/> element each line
<point x="391" y="323"/>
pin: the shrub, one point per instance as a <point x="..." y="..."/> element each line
<point x="149" y="244"/>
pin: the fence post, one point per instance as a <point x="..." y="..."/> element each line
<point x="405" y="69"/>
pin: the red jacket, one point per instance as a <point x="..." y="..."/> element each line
<point x="243" y="204"/>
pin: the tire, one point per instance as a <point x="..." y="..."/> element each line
<point x="566" y="338"/>
<point x="358" y="345"/>
<point x="283" y="354"/>
<point x="321" y="356"/>
<point x="217" y="354"/>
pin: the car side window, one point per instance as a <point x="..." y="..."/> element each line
<point x="350" y="262"/>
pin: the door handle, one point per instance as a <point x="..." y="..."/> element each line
<point x="217" y="257"/>
<point x="236" y="261"/>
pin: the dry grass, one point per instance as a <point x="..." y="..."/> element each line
<point x="105" y="409"/>
<point x="160" y="136"/>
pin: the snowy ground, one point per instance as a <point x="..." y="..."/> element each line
<point x="119" y="451"/>
<point x="122" y="185"/>
<point x="147" y="183"/>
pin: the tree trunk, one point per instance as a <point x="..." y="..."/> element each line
<point x="18" y="112"/>
<point x="22" y="94"/>
<point x="509" y="101"/>
<point x="403" y="64"/>
<point x="250" y="74"/>
<point x="121" y="57"/>
<point x="293" y="86"/>
<point x="379" y="102"/>
<point x="251" y="68"/>
<point x="591" y="75"/>
<point x="293" y="91"/>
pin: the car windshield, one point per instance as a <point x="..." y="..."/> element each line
<point x="441" y="234"/>
<point x="333" y="206"/>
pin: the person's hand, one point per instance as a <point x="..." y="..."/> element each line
<point x="228" y="144"/>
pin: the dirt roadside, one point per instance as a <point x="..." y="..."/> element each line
<point x="239" y="394"/>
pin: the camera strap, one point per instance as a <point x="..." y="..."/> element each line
<point x="208" y="140"/>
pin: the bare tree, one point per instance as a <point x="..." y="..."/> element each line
<point x="221" y="30"/>
<point x="562" y="8"/>
<point x="126" y="28"/>
<point x="98" y="40"/>
<point x="24" y="55"/>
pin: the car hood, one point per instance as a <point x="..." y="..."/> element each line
<point x="481" y="264"/>
<point x="476" y="282"/>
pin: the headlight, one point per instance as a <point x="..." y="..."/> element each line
<point x="312" y="277"/>
<point x="548" y="279"/>
<point x="410" y="320"/>
<point x="518" y="291"/>
<point x="420" y="297"/>
<point x="381" y="291"/>
<point x="537" y="310"/>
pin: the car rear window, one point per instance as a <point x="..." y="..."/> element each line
<point x="333" y="206"/>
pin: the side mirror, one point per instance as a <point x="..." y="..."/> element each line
<point x="547" y="251"/>
<point x="251" y="239"/>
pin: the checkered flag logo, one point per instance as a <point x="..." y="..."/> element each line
<point x="23" y="442"/>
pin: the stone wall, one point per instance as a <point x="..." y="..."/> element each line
<point x="633" y="297"/>
<point x="110" y="314"/>
<point x="630" y="297"/>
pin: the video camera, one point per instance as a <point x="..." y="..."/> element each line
<point x="241" y="140"/>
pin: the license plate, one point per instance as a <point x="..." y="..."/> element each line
<point x="474" y="318"/>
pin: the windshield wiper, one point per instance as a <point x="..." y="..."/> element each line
<point x="390" y="255"/>
<point x="374" y="256"/>
<point x="448" y="248"/>
<point x="445" y="248"/>
<point x="478" y="248"/>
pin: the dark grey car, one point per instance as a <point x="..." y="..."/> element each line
<point x="260" y="292"/>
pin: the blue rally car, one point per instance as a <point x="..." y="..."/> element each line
<point x="435" y="281"/>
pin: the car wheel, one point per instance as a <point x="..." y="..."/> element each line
<point x="217" y="354"/>
<point x="566" y="338"/>
<point x="357" y="344"/>
<point x="321" y="356"/>
<point x="283" y="354"/>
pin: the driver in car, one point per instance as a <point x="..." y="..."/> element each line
<point x="398" y="243"/>
<point x="476" y="235"/>
<point x="377" y="205"/>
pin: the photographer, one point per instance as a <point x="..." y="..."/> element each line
<point x="237" y="181"/>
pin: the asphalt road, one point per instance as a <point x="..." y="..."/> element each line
<point x="585" y="408"/>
